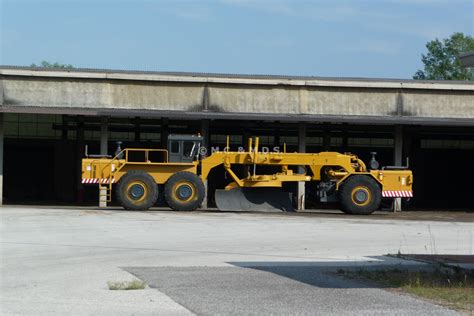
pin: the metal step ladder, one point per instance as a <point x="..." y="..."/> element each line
<point x="105" y="192"/>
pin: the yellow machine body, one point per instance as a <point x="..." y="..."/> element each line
<point x="334" y="167"/>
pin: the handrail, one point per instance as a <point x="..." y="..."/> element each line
<point x="110" y="162"/>
<point x="125" y="154"/>
<point x="147" y="151"/>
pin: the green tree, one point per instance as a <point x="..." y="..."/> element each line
<point x="47" y="64"/>
<point x="442" y="62"/>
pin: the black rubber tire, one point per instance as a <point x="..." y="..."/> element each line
<point x="347" y="197"/>
<point x="140" y="179"/>
<point x="191" y="182"/>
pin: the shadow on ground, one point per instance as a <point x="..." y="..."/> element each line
<point x="440" y="258"/>
<point x="283" y="288"/>
<point x="321" y="273"/>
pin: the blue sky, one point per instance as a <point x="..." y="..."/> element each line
<point x="383" y="39"/>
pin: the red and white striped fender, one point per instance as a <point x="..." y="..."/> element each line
<point x="96" y="180"/>
<point x="397" y="194"/>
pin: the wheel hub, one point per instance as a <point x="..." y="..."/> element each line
<point x="136" y="191"/>
<point x="361" y="196"/>
<point x="184" y="192"/>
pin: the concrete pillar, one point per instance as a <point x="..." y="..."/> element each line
<point x="397" y="160"/>
<point x="1" y="157"/>
<point x="104" y="144"/>
<point x="64" y="130"/>
<point x="79" y="155"/>
<point x="345" y="139"/>
<point x="276" y="141"/>
<point x="205" y="134"/>
<point x="136" y="129"/>
<point x="302" y="138"/>
<point x="326" y="138"/>
<point x="245" y="138"/>
<point x="301" y="149"/>
<point x="205" y="143"/>
<point x="104" y="135"/>
<point x="398" y="146"/>
<point x="164" y="133"/>
<point x="246" y="135"/>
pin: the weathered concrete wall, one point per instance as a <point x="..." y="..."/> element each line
<point x="100" y="94"/>
<point x="439" y="104"/>
<point x="304" y="100"/>
<point x="254" y="98"/>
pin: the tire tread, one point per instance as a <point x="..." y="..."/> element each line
<point x="191" y="205"/>
<point x="348" y="207"/>
<point x="144" y="177"/>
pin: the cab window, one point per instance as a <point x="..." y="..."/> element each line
<point x="188" y="149"/>
<point x="175" y="147"/>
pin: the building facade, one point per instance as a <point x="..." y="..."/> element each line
<point x="50" y="115"/>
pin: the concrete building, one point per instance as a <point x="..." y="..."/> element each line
<point x="467" y="59"/>
<point x="49" y="115"/>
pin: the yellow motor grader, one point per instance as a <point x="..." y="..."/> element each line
<point x="180" y="171"/>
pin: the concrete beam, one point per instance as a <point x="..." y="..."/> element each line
<point x="341" y="118"/>
<point x="302" y="149"/>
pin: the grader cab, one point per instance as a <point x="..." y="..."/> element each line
<point x="136" y="175"/>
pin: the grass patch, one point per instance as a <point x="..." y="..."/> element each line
<point x="450" y="287"/>
<point x="127" y="285"/>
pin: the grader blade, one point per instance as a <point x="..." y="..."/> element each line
<point x="254" y="199"/>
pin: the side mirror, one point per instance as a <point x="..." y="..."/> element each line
<point x="118" y="151"/>
<point x="374" y="164"/>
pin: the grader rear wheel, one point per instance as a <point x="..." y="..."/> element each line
<point x="184" y="191"/>
<point x="137" y="190"/>
<point x="360" y="195"/>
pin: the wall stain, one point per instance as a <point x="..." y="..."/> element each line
<point x="10" y="101"/>
<point x="210" y="108"/>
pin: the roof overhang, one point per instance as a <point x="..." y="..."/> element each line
<point x="467" y="59"/>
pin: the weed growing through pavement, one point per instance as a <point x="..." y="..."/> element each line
<point x="127" y="285"/>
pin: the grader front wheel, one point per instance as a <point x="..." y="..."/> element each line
<point x="360" y="195"/>
<point x="184" y="191"/>
<point x="137" y="190"/>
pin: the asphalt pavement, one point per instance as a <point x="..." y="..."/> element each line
<point x="277" y="290"/>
